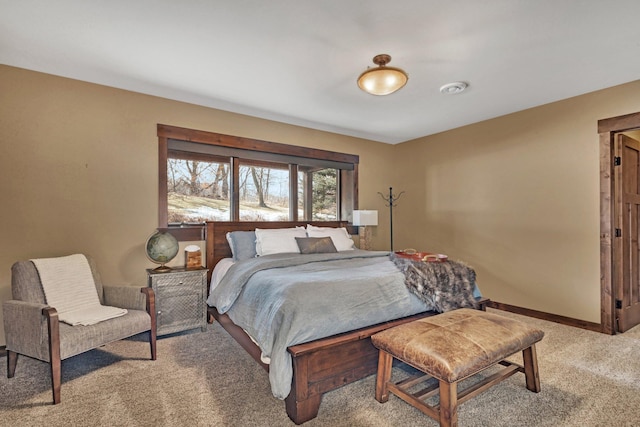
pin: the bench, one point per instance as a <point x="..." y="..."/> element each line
<point x="451" y="347"/>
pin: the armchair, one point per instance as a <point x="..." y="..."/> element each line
<point x="32" y="327"/>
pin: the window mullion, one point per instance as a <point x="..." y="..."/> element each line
<point x="308" y="197"/>
<point x="235" y="189"/>
<point x="293" y="192"/>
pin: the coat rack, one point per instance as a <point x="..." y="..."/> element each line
<point x="390" y="201"/>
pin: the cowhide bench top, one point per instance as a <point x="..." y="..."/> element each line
<point x="451" y="347"/>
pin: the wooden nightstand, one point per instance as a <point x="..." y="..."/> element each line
<point x="180" y="299"/>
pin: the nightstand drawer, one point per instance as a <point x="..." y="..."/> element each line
<point x="170" y="280"/>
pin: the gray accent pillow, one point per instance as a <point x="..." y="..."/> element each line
<point x="315" y="245"/>
<point x="243" y="244"/>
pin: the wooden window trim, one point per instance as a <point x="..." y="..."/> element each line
<point x="167" y="132"/>
<point x="173" y="132"/>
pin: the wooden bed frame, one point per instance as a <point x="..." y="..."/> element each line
<point x="318" y="366"/>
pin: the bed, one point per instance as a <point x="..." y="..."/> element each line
<point x="318" y="365"/>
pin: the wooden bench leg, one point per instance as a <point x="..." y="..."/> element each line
<point x="448" y="404"/>
<point x="385" y="363"/>
<point x="530" y="359"/>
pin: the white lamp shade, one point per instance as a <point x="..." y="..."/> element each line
<point x="363" y="218"/>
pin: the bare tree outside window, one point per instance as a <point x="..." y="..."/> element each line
<point x="264" y="193"/>
<point x="197" y="191"/>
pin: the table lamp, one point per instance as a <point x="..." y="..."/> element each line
<point x="363" y="219"/>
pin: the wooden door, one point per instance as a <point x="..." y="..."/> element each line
<point x="626" y="250"/>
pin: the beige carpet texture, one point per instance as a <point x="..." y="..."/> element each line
<point x="206" y="379"/>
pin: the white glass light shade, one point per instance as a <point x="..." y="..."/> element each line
<point x="382" y="80"/>
<point x="364" y="218"/>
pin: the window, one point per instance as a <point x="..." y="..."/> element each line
<point x="207" y="176"/>
<point x="264" y="192"/>
<point x="317" y="194"/>
<point x="197" y="188"/>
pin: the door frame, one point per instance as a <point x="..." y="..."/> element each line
<point x="607" y="128"/>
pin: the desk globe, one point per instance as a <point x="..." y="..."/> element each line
<point x="161" y="247"/>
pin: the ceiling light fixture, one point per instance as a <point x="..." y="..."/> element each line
<point x="382" y="80"/>
<point x="453" y="88"/>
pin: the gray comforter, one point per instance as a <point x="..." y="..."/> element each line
<point x="287" y="299"/>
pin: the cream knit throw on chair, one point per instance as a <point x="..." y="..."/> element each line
<point x="69" y="288"/>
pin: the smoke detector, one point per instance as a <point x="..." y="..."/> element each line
<point x="453" y="88"/>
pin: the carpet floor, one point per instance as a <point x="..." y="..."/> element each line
<point x="206" y="379"/>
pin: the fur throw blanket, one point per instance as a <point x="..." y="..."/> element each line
<point x="444" y="286"/>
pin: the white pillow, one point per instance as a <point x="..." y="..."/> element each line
<point x="278" y="240"/>
<point x="340" y="237"/>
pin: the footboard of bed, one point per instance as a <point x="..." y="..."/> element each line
<point x="322" y="365"/>
<point x="329" y="363"/>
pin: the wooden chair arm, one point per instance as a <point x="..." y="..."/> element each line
<point x="53" y="324"/>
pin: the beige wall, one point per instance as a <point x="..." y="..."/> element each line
<point x="79" y="168"/>
<point x="517" y="197"/>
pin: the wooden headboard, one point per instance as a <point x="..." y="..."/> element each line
<point x="218" y="247"/>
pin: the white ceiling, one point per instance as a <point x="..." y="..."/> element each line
<point x="296" y="61"/>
